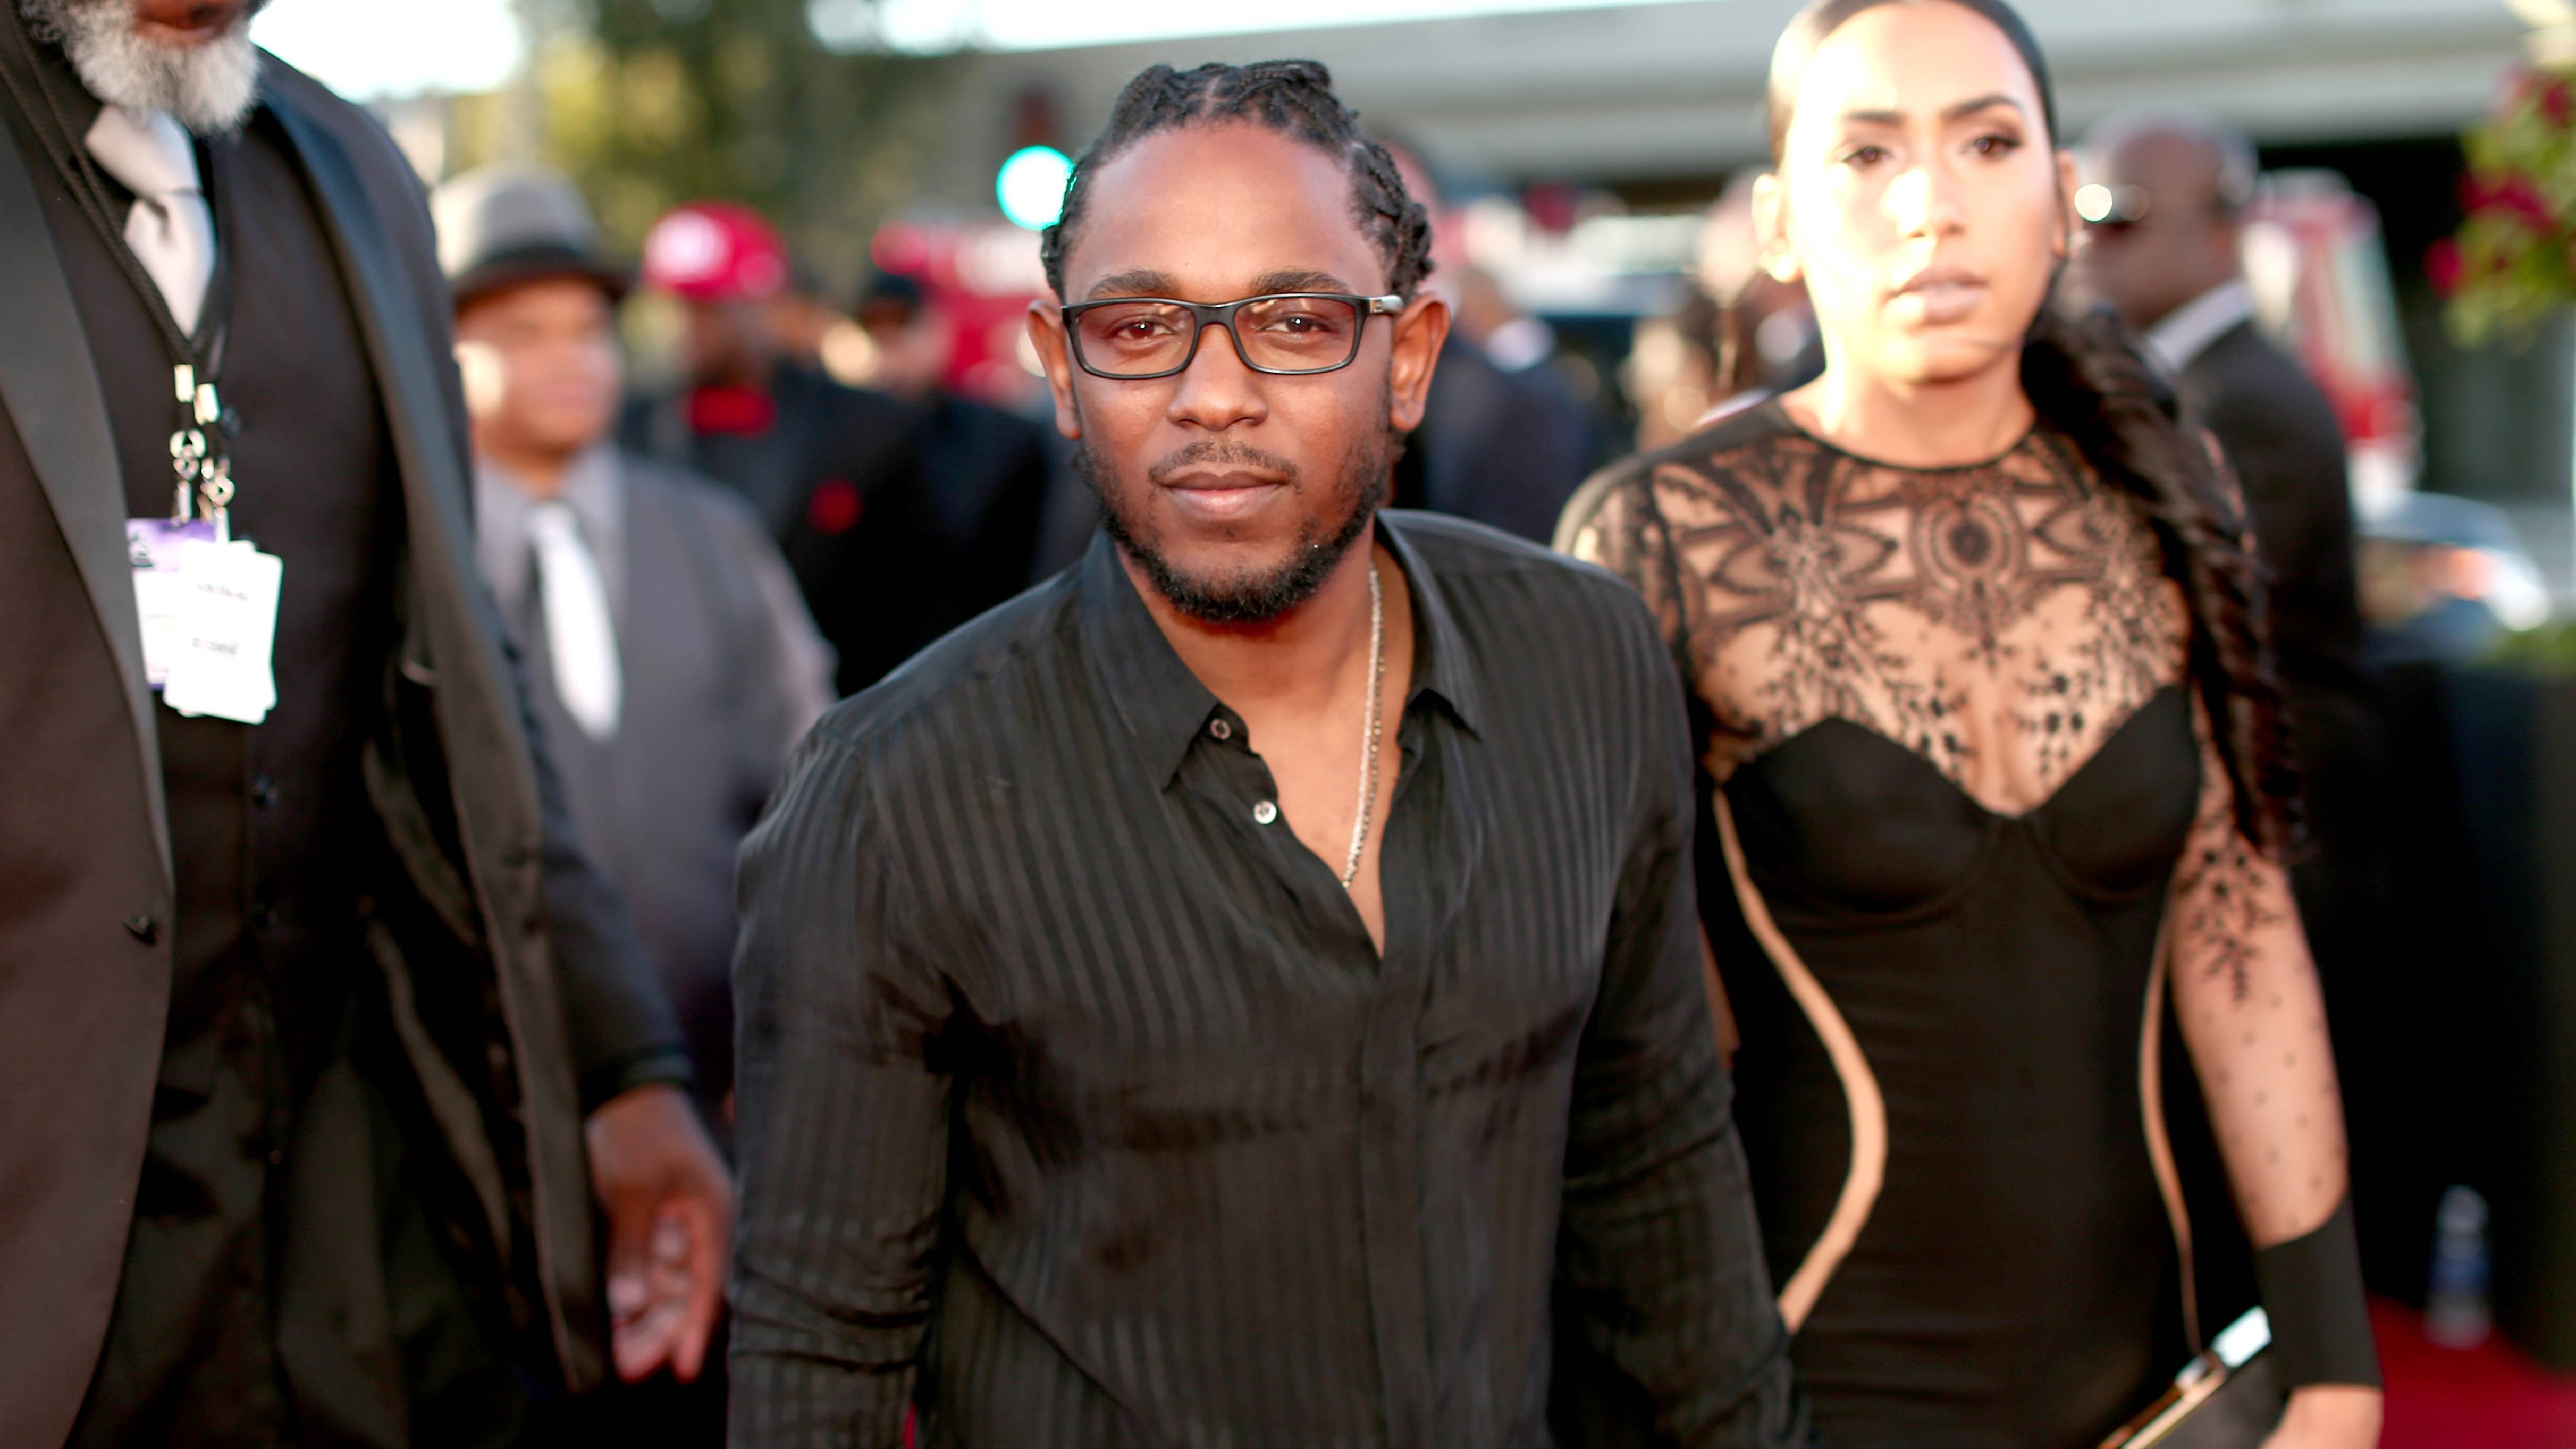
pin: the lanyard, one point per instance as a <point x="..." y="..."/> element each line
<point x="200" y="461"/>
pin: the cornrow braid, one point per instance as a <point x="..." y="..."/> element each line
<point x="1292" y="97"/>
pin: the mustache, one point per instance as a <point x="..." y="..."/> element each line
<point x="1220" y="451"/>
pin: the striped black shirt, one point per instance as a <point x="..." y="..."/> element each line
<point x="1077" y="1106"/>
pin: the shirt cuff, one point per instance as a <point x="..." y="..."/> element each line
<point x="651" y="1067"/>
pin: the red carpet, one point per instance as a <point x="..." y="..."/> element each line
<point x="2488" y="1397"/>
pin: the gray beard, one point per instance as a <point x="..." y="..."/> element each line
<point x="208" y="88"/>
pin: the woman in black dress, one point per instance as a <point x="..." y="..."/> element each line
<point x="1974" y="639"/>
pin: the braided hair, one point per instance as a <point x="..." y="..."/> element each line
<point x="2088" y="377"/>
<point x="1292" y="97"/>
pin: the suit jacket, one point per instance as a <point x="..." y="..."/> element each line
<point x="2280" y="433"/>
<point x="723" y="672"/>
<point x="836" y="474"/>
<point x="1506" y="449"/>
<point x="510" y="971"/>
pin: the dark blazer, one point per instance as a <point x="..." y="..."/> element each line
<point x="509" y="967"/>
<point x="2280" y="433"/>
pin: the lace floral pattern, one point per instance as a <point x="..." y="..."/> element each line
<point x="2000" y="619"/>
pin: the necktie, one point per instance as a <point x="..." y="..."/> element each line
<point x="170" y="229"/>
<point x="581" y="637"/>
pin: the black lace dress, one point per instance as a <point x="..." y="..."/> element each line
<point x="1944" y="1005"/>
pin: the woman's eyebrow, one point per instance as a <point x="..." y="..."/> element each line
<point x="1949" y="113"/>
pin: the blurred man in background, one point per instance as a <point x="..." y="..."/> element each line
<point x="986" y="470"/>
<point x="1738" y="336"/>
<point x="1502" y="440"/>
<point x="329" y="1062"/>
<point x="672" y="662"/>
<point x="831" y="470"/>
<point x="2166" y="252"/>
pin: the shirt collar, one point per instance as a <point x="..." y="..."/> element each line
<point x="2187" y="330"/>
<point x="1163" y="705"/>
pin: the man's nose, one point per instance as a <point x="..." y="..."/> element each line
<point x="1216" y="390"/>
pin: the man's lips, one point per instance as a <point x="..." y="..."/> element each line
<point x="187" y="20"/>
<point x="1222" y="496"/>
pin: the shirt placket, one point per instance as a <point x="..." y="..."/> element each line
<point x="1235" y="780"/>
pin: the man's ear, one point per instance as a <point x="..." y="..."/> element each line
<point x="1771" y="228"/>
<point x="1419" y="329"/>
<point x="1046" y="334"/>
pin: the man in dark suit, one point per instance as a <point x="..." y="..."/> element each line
<point x="320" y="1043"/>
<point x="832" y="470"/>
<point x="2167" y="257"/>
<point x="985" y="471"/>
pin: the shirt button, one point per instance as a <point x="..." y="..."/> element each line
<point x="263" y="792"/>
<point x="1264" y="813"/>
<point x="1221" y="729"/>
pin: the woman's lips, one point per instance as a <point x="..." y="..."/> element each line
<point x="1938" y="295"/>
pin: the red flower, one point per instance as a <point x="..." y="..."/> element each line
<point x="2442" y="264"/>
<point x="834" y="507"/>
<point x="2512" y="198"/>
<point x="2553" y="102"/>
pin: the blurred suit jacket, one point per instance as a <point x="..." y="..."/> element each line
<point x="518" y="963"/>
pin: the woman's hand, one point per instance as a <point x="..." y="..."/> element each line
<point x="2329" y="1416"/>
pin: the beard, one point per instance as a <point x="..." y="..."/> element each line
<point x="1251" y="596"/>
<point x="208" y="87"/>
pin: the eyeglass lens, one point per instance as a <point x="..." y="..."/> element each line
<point x="1281" y="334"/>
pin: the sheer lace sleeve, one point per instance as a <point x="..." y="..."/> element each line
<point x="2246" y="999"/>
<point x="1615" y="522"/>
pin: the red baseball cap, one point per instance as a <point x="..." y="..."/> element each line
<point x="714" y="251"/>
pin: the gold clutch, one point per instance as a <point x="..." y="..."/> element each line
<point x="2228" y="1398"/>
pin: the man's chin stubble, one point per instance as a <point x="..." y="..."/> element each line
<point x="1252" y="596"/>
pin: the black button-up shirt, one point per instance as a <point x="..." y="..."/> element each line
<point x="1073" y="1088"/>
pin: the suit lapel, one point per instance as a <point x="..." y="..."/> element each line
<point x="49" y="383"/>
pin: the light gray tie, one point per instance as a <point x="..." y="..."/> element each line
<point x="581" y="637"/>
<point x="170" y="228"/>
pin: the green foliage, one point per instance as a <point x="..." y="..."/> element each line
<point x="2513" y="262"/>
<point x="651" y="103"/>
<point x="2548" y="651"/>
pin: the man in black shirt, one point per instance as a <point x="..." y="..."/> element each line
<point x="1222" y="995"/>
<point x="320" y="1042"/>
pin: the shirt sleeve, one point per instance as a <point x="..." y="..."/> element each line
<point x="842" y="1123"/>
<point x="1661" y="1258"/>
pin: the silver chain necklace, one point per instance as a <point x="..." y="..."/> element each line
<point x="1377" y="687"/>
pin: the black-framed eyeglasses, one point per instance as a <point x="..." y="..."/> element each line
<point x="1286" y="334"/>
